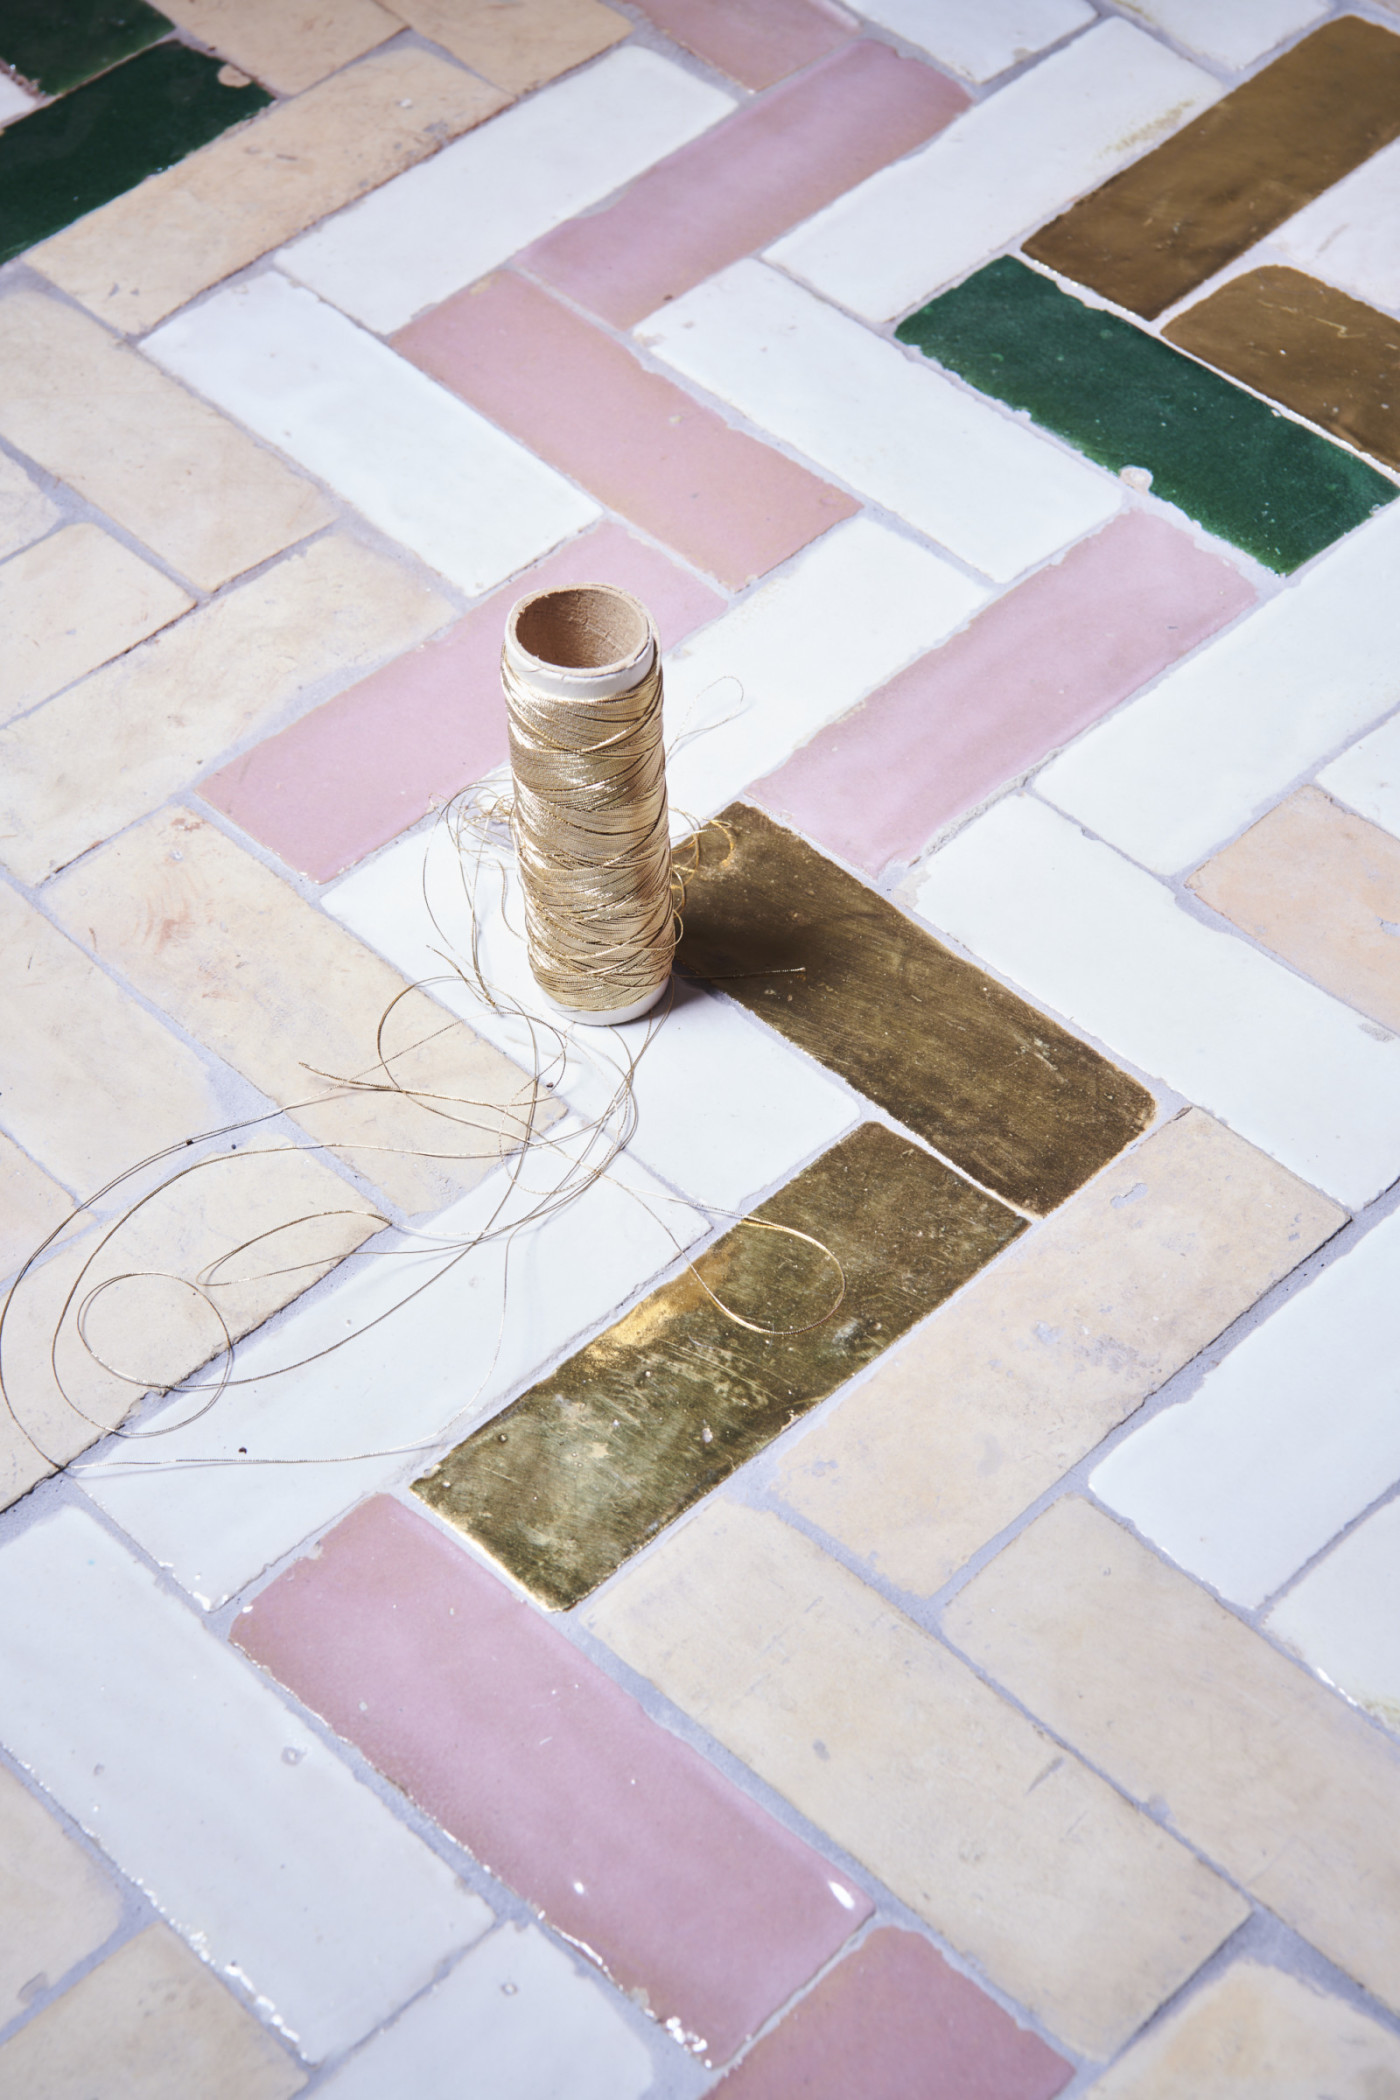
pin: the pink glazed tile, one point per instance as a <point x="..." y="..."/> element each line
<point x="1034" y="669"/>
<point x="552" y="1775"/>
<point x="754" y="41"/>
<point x="728" y="503"/>
<point x="894" y="2022"/>
<point x="736" y="189"/>
<point x="355" y="773"/>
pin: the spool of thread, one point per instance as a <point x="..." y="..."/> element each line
<point x="581" y="671"/>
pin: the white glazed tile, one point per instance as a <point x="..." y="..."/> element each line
<point x="1233" y="35"/>
<point x="980" y="42"/>
<point x="1367" y="777"/>
<point x="1096" y="939"/>
<point x="1351" y="233"/>
<point x="248" y="1834"/>
<point x="13" y="101"/>
<point x="451" y="219"/>
<point x="1002" y="168"/>
<point x="1344" y="1617"/>
<point x="1189" y="764"/>
<point x="419" y="463"/>
<point x="1284" y="1442"/>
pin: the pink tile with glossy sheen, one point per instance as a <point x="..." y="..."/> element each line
<point x="894" y="2022"/>
<point x="1033" y="670"/>
<point x="551" y="1774"/>
<point x="754" y="41"/>
<point x="776" y="161"/>
<point x="355" y="773"/>
<point x="731" y="505"/>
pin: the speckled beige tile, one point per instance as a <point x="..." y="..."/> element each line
<point x="73" y="602"/>
<point x="1028" y="1863"/>
<point x="114" y="746"/>
<point x="1183" y="1705"/>
<point x="26" y="513"/>
<point x="182" y="478"/>
<point x="286" y="44"/>
<point x="149" y="251"/>
<point x="56" y="1906"/>
<point x="522" y="44"/>
<point x="1033" y="1363"/>
<point x="32" y="1205"/>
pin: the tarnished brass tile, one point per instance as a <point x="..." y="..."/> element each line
<point x="586" y="1467"/>
<point x="1017" y="1102"/>
<point x="1320" y="353"/>
<point x="1152" y="234"/>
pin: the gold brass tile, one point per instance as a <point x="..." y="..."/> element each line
<point x="1014" y="1100"/>
<point x="586" y="1467"/>
<point x="1324" y="355"/>
<point x="1152" y="234"/>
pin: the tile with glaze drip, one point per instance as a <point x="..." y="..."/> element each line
<point x="55" y="45"/>
<point x="755" y="42"/>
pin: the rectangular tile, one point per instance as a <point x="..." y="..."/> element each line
<point x="627" y="1840"/>
<point x="985" y="487"/>
<point x="1032" y="1365"/>
<point x="1227" y="459"/>
<point x="288" y="44"/>
<point x="58" y="1905"/>
<point x="755" y="42"/>
<point x="32" y="1205"/>
<point x="520" y="46"/>
<point x="390" y="255"/>
<point x="1351" y="233"/>
<point x="1154" y="232"/>
<point x="1342" y="1617"/>
<point x="1234" y="36"/>
<point x="56" y="48"/>
<point x="26" y="513"/>
<point x="73" y="602"/>
<point x="1181" y="1704"/>
<point x="1368" y="776"/>
<point x="881" y="1737"/>
<point x="1108" y="947"/>
<point x="1002" y="167"/>
<point x="981" y="42"/>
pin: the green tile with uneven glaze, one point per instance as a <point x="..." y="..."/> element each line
<point x="1236" y="465"/>
<point x="54" y="45"/>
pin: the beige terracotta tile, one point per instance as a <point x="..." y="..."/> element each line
<point x="1256" y="1763"/>
<point x="1321" y="887"/>
<point x="179" y="476"/>
<point x="283" y="993"/>
<point x="26" y="513"/>
<point x="113" y="747"/>
<point x="32" y="1205"/>
<point x="1028" y="1863"/>
<point x="1036" y="1360"/>
<point x="149" y="2023"/>
<point x="522" y="44"/>
<point x="149" y="251"/>
<point x="286" y="44"/>
<point x="56" y="1906"/>
<point x="75" y="601"/>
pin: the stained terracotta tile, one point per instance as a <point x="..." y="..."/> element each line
<point x="1153" y="233"/>
<point x="26" y="513"/>
<point x="354" y="773"/>
<point x="1033" y="670"/>
<point x="631" y="1844"/>
<point x="32" y="1205"/>
<point x="774" y="162"/>
<point x="76" y="600"/>
<point x="56" y="1906"/>
<point x="287" y="44"/>
<point x="754" y="41"/>
<point x="522" y="45"/>
<point x="646" y="449"/>
<point x="55" y="47"/>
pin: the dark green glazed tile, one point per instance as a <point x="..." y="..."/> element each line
<point x="1246" y="472"/>
<point x="580" y="1472"/>
<point x="66" y="159"/>
<point x="54" y="45"/>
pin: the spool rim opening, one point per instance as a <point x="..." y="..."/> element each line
<point x="589" y="630"/>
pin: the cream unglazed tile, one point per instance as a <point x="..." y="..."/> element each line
<point x="983" y="41"/>
<point x="1255" y="1763"/>
<point x="26" y="513"/>
<point x="1233" y="36"/>
<point x="108" y="750"/>
<point x="522" y="45"/>
<point x="1368" y="776"/>
<point x="1035" y="1360"/>
<point x="32" y="1205"/>
<point x="287" y="44"/>
<point x="149" y="251"/>
<point x="76" y="600"/>
<point x="56" y="1906"/>
<point x="1343" y="1618"/>
<point x="1350" y="235"/>
<point x="898" y="1751"/>
<point x="190" y="484"/>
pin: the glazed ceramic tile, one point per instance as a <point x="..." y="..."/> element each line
<point x="1000" y="168"/>
<point x="882" y="1738"/>
<point x="26" y="513"/>
<point x="32" y="1205"/>
<point x="982" y="42"/>
<point x="146" y="253"/>
<point x="1111" y="949"/>
<point x="1222" y="737"/>
<point x="191" y="485"/>
<point x="755" y="42"/>
<point x="1351" y="233"/>
<point x="520" y="46"/>
<point x="1368" y="776"/>
<point x="989" y="1404"/>
<point x="1343" y="1618"/>
<point x="652" y="1415"/>
<point x="441" y="226"/>
<point x="775" y="161"/>
<point x="71" y="603"/>
<point x="1011" y="1099"/>
<point x="727" y="503"/>
<point x="305" y="1886"/>
<point x="56" y="48"/>
<point x="518" y="2012"/>
<point x="56" y="1905"/>
<point x="626" y="1840"/>
<point x="288" y="44"/>
<point x="1179" y="214"/>
<point x="421" y="465"/>
<point x="1251" y="1476"/>
<point x="1253" y="1761"/>
<point x="109" y="750"/>
<point x="14" y="102"/>
<point x="1235" y="36"/>
<point x="1040" y="664"/>
<point x="1227" y="459"/>
<point x="987" y="489"/>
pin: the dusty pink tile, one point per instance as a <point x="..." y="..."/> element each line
<point x="754" y="41"/>
<point x="355" y="773"/>
<point x="551" y="1774"/>
<point x="1034" y="669"/>
<point x="894" y="2022"/>
<point x="777" y="160"/>
<point x="728" y="503"/>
